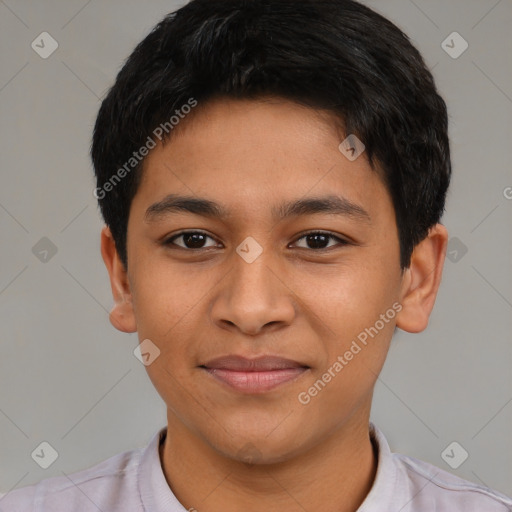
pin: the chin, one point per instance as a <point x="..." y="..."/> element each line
<point x="260" y="446"/>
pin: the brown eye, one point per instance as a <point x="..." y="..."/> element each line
<point x="319" y="240"/>
<point x="190" y="240"/>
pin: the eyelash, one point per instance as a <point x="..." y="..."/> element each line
<point x="341" y="242"/>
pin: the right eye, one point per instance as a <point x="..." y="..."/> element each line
<point x="192" y="240"/>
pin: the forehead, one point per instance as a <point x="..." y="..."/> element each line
<point x="257" y="153"/>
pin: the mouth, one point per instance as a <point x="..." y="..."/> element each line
<point x="254" y="375"/>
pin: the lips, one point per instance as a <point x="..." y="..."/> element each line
<point x="256" y="375"/>
<point x="259" y="364"/>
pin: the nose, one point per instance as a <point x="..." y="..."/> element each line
<point x="253" y="297"/>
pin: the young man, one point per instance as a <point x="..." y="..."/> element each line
<point x="272" y="174"/>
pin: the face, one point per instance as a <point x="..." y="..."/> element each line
<point x="260" y="289"/>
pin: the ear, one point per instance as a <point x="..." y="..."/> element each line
<point x="122" y="316"/>
<point x="420" y="282"/>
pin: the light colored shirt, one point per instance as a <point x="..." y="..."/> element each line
<point x="133" y="481"/>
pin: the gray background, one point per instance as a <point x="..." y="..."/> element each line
<point x="69" y="378"/>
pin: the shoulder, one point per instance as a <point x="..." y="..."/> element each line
<point x="412" y="485"/>
<point x="432" y="488"/>
<point x="96" y="488"/>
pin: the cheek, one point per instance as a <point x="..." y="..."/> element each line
<point x="352" y="308"/>
<point x="163" y="297"/>
<point x="351" y="294"/>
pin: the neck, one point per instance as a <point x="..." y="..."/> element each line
<point x="334" y="476"/>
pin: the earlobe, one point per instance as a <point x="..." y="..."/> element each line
<point x="122" y="316"/>
<point x="421" y="280"/>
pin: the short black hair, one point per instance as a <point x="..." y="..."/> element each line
<point x="337" y="55"/>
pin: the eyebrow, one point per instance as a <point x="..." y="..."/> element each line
<point x="330" y="204"/>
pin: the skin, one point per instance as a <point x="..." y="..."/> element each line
<point x="295" y="301"/>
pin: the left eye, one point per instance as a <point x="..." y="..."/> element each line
<point x="320" y="240"/>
